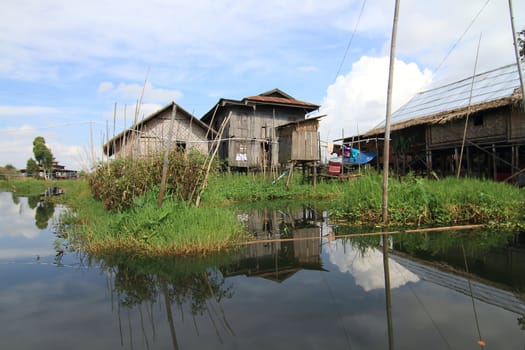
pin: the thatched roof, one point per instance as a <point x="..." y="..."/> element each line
<point x="496" y="88"/>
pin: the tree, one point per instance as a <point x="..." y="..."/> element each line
<point x="43" y="154"/>
<point x="32" y="168"/>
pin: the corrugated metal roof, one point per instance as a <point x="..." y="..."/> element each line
<point x="281" y="100"/>
<point x="487" y="87"/>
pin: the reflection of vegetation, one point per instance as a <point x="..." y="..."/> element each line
<point x="44" y="209"/>
<point x="189" y="279"/>
<point x="434" y="243"/>
<point x="441" y="242"/>
<point x="44" y="212"/>
<point x="32" y="201"/>
<point x="196" y="282"/>
<point x="521" y="322"/>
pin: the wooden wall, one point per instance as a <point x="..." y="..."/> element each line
<point x="152" y="137"/>
<point x="488" y="126"/>
<point x="249" y="129"/>
<point x="299" y="142"/>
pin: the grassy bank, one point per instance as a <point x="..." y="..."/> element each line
<point x="179" y="228"/>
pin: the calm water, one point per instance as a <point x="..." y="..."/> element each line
<point x="313" y="293"/>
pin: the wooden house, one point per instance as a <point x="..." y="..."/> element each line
<point x="250" y="139"/>
<point x="476" y="123"/>
<point x="150" y="135"/>
<point x="299" y="141"/>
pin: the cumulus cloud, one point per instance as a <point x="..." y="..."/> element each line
<point x="367" y="267"/>
<point x="10" y="111"/>
<point x="356" y="102"/>
<point x="133" y="92"/>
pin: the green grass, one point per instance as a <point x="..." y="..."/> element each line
<point x="26" y="186"/>
<point x="424" y="202"/>
<point x="179" y="228"/>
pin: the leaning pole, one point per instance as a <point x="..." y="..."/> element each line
<point x="386" y="161"/>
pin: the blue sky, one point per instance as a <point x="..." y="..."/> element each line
<point x="64" y="64"/>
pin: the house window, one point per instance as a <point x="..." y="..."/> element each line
<point x="478" y="120"/>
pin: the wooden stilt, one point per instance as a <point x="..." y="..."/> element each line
<point x="290" y="172"/>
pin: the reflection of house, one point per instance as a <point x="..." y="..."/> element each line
<point x="150" y="135"/>
<point x="427" y="132"/>
<point x="279" y="260"/>
<point x="478" y="290"/>
<point x="250" y="139"/>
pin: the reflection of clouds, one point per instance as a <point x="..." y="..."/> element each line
<point x="30" y="252"/>
<point x="367" y="267"/>
<point x="16" y="220"/>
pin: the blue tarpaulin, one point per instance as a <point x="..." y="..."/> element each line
<point x="354" y="156"/>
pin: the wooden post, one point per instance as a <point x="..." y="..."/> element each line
<point x="290" y="172"/>
<point x="315" y="174"/>
<point x="166" y="159"/>
<point x="494" y="164"/>
<point x="469" y="165"/>
<point x="386" y="149"/>
<point x="518" y="60"/>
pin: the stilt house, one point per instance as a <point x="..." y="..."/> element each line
<point x="150" y="135"/>
<point x="250" y="139"/>
<point x="476" y="123"/>
<point x="299" y="141"/>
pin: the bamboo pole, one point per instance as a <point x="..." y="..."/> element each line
<point x="124" y="144"/>
<point x="386" y="148"/>
<point x="518" y="61"/>
<point x="370" y="234"/>
<point x="210" y="162"/>
<point x="388" y="297"/>
<point x="114" y="126"/>
<point x="92" y="144"/>
<point x="468" y="111"/>
<point x="166" y="159"/>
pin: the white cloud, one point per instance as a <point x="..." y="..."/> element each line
<point x="16" y="147"/>
<point x="367" y="267"/>
<point x="356" y="102"/>
<point x="17" y="220"/>
<point x="105" y="86"/>
<point x="11" y="111"/>
<point x="133" y="92"/>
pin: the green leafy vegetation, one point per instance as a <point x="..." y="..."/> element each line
<point x="178" y="227"/>
<point x="120" y="182"/>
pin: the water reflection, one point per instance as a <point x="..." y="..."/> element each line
<point x="24" y="222"/>
<point x="301" y="287"/>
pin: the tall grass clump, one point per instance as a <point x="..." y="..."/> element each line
<point x="175" y="228"/>
<point x="251" y="187"/>
<point x="425" y="202"/>
<point x="120" y="181"/>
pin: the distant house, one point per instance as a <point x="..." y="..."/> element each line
<point x="250" y="139"/>
<point x="150" y="135"/>
<point x="427" y="133"/>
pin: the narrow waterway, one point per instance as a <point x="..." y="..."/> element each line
<point x="448" y="290"/>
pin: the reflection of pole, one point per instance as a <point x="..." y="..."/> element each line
<point x="387" y="294"/>
<point x="170" y="315"/>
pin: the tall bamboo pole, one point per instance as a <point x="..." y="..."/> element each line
<point x="166" y="159"/>
<point x="468" y="110"/>
<point x="518" y="61"/>
<point x="386" y="148"/>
